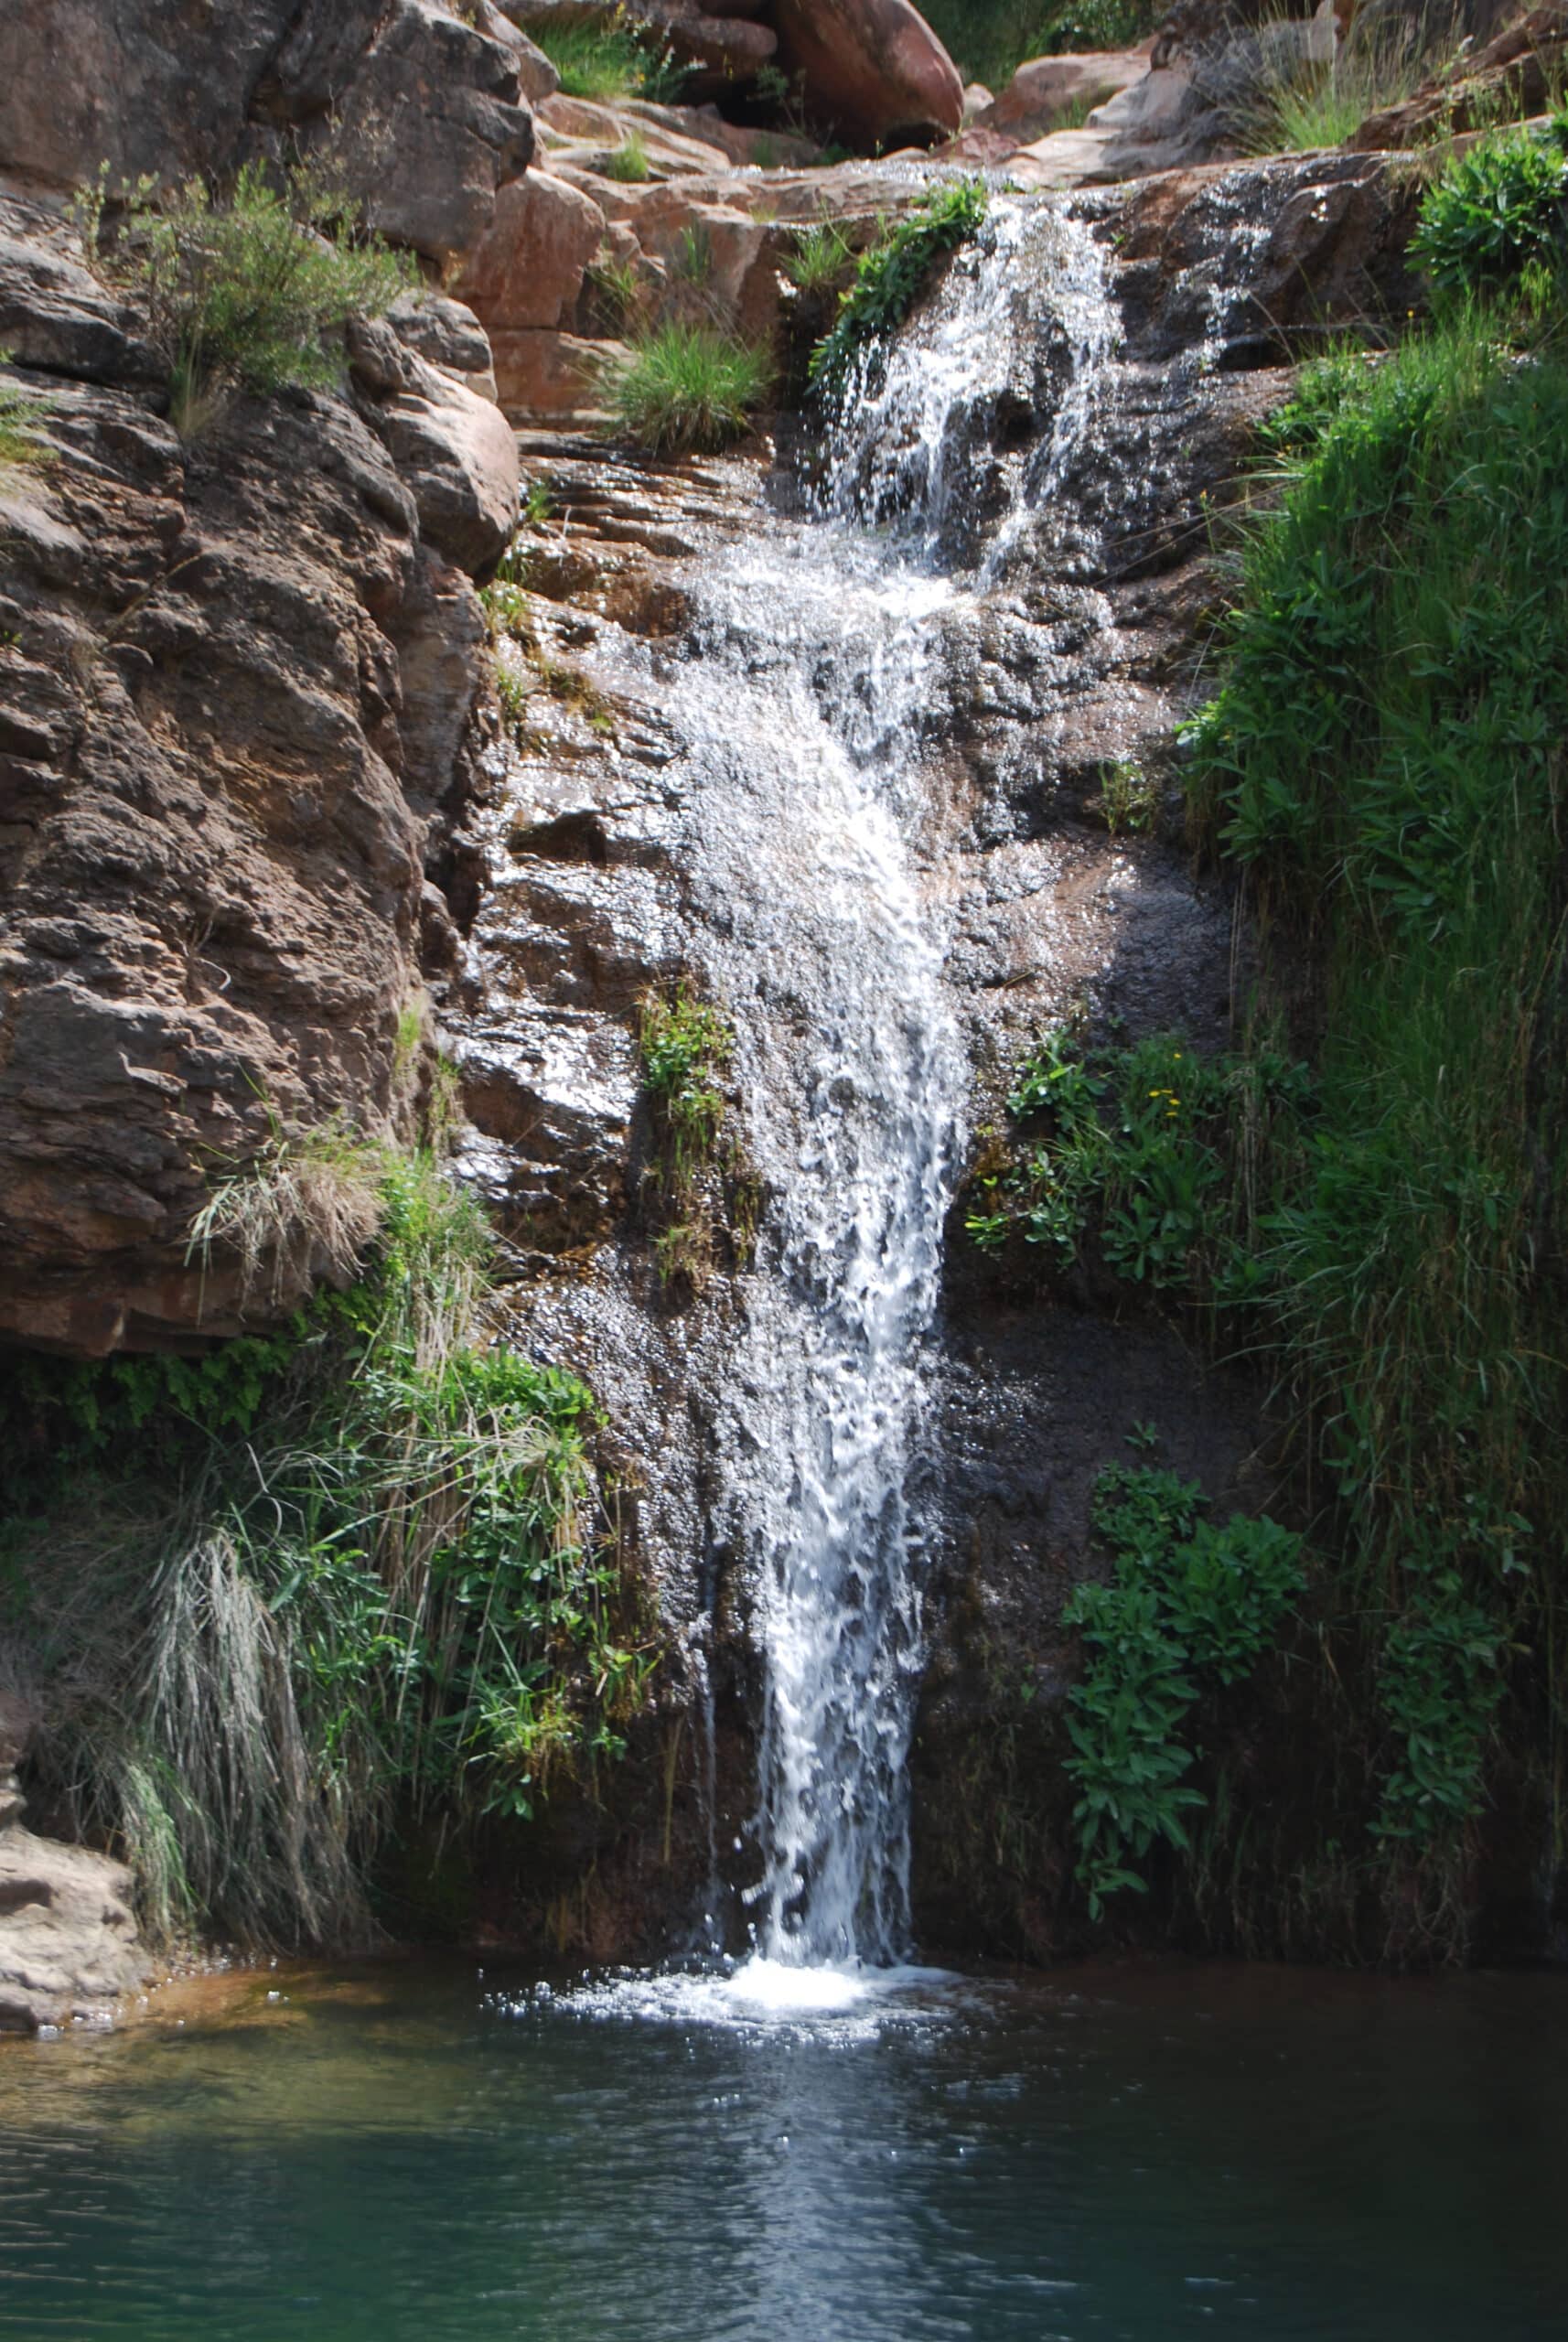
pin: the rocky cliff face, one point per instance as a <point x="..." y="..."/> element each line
<point x="237" y="673"/>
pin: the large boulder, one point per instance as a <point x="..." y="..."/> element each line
<point x="422" y="106"/>
<point x="1044" y="92"/>
<point x="526" y="274"/>
<point x="68" y="1945"/>
<point x="874" y="68"/>
<point x="452" y="451"/>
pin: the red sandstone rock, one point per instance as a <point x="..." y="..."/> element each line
<point x="527" y="272"/>
<point x="1048" y="88"/>
<point x="874" y="67"/>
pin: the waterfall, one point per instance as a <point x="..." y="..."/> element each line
<point x="817" y="680"/>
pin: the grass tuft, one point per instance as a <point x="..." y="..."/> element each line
<point x="282" y="1603"/>
<point x="23" y="413"/>
<point x="687" y="388"/>
<point x="247" y="291"/>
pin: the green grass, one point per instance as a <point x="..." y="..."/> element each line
<point x="609" y="60"/>
<point x="823" y="260"/>
<point x="989" y="40"/>
<point x="705" y="1190"/>
<point x="22" y="415"/>
<point x="1384" y="763"/>
<point x="281" y="1603"/>
<point x="247" y="290"/>
<point x="888" y="281"/>
<point x="628" y="162"/>
<point x="1298" y="105"/>
<point x="687" y="388"/>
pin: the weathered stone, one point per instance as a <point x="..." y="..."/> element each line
<point x="210" y="879"/>
<point x="451" y="447"/>
<point x="873" y="67"/>
<point x="527" y="271"/>
<point x="1049" y="88"/>
<point x="448" y="334"/>
<point x="549" y="377"/>
<point x="69" y="1945"/>
<point x="423" y="107"/>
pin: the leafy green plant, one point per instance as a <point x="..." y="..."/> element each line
<point x="888" y="281"/>
<point x="1190" y="1606"/>
<point x="286" y="1600"/>
<point x="1142" y="1146"/>
<point x="687" y="388"/>
<point x="247" y="291"/>
<point x="1498" y="209"/>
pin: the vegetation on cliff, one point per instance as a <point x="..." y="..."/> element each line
<point x="284" y="1602"/>
<point x="888" y="280"/>
<point x="1366" y="1199"/>
<point x="989" y="40"/>
<point x="246" y="290"/>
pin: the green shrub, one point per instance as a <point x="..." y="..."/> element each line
<point x="1189" y="1606"/>
<point x="22" y="415"/>
<point x="609" y="59"/>
<point x="1500" y="210"/>
<point x="1143" y="1147"/>
<point x="248" y="291"/>
<point x="687" y="388"/>
<point x="888" y="281"/>
<point x="284" y="1600"/>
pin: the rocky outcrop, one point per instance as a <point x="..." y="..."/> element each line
<point x="68" y="1945"/>
<point x="874" y="68"/>
<point x="1517" y="74"/>
<point x="1044" y="92"/>
<point x="416" y="104"/>
<point x="218" y="753"/>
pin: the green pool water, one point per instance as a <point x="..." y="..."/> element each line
<point x="453" y="2156"/>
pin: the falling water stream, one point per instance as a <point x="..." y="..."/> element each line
<point x="819" y="680"/>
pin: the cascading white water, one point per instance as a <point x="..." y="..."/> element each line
<point x="822" y="665"/>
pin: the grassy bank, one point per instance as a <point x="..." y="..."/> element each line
<point x="279" y="1605"/>
<point x="1365" y="1201"/>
